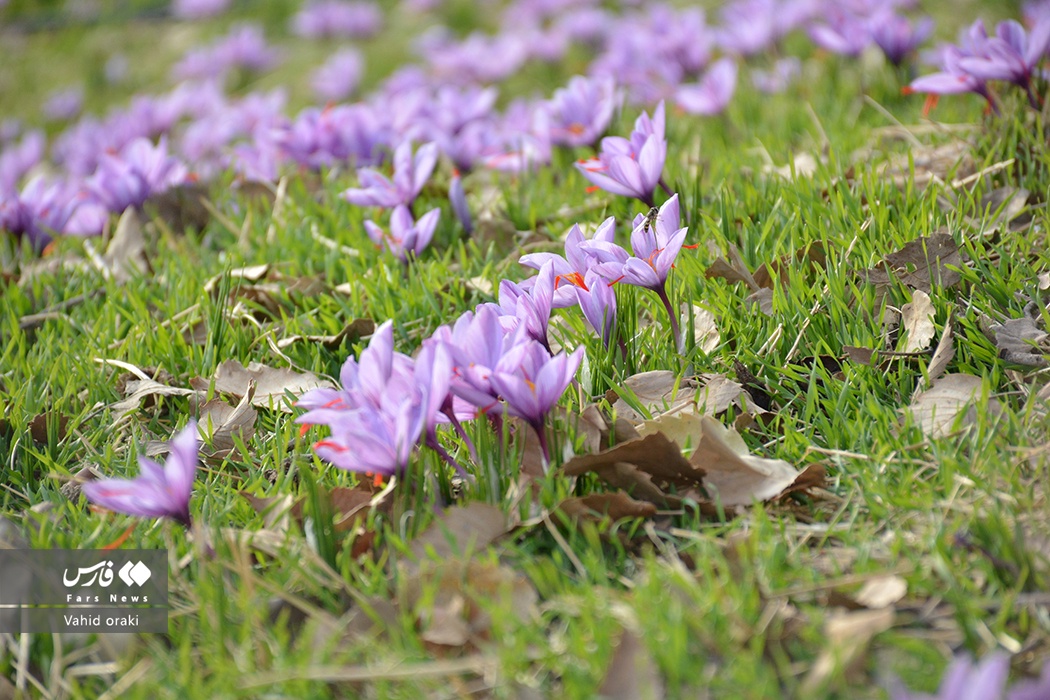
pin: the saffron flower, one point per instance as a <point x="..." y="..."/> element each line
<point x="406" y="238"/>
<point x="580" y="112"/>
<point x="198" y="9"/>
<point x="631" y="167"/>
<point x="655" y="245"/>
<point x="1011" y="55"/>
<point x="897" y="37"/>
<point x="140" y="169"/>
<point x="571" y="271"/>
<point x="335" y="18"/>
<point x="338" y="77"/>
<point x="457" y="197"/>
<point x="530" y="382"/>
<point x="158" y="492"/>
<point x="530" y="308"/>
<point x="410" y="174"/>
<point x="597" y="300"/>
<point x="987" y="680"/>
<point x="712" y="93"/>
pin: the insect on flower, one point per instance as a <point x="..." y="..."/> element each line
<point x="650" y="219"/>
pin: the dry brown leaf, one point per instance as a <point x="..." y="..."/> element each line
<point x="632" y="672"/>
<point x="658" y="391"/>
<point x="222" y="425"/>
<point x="138" y="389"/>
<point x="125" y="255"/>
<point x="461" y="530"/>
<point x="930" y="163"/>
<point x="950" y="398"/>
<point x="43" y="423"/>
<point x="1020" y="340"/>
<point x="601" y="506"/>
<point x="451" y="599"/>
<point x="705" y="328"/>
<point x="917" y="319"/>
<point x="763" y="299"/>
<point x="847" y="634"/>
<point x="356" y="329"/>
<point x="276" y="510"/>
<point x="812" y="254"/>
<point x="860" y="356"/>
<point x="882" y="591"/>
<point x="943" y="354"/>
<point x="271" y="383"/>
<point x="735" y="476"/>
<point x="642" y="467"/>
<point x="921" y="264"/>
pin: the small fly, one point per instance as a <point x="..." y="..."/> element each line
<point x="650" y="220"/>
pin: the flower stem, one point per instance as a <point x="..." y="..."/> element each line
<point x="433" y="443"/>
<point x="541" y="433"/>
<point x="458" y="427"/>
<point x="662" y="293"/>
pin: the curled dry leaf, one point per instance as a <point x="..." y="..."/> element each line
<point x="705" y="328"/>
<point x="632" y="672"/>
<point x="125" y="255"/>
<point x="813" y="255"/>
<point x="451" y="601"/>
<point x="950" y="399"/>
<point x="45" y="424"/>
<point x="349" y="505"/>
<point x="658" y="391"/>
<point x="943" y="353"/>
<point x="928" y="164"/>
<point x="271" y="384"/>
<point x="732" y="269"/>
<point x="738" y="478"/>
<point x="921" y="264"/>
<point x="355" y="330"/>
<point x="847" y="634"/>
<point x="1020" y="340"/>
<point x="459" y="530"/>
<point x="917" y="319"/>
<point x="137" y="390"/>
<point x="601" y="506"/>
<point x="222" y="425"/>
<point x="882" y="591"/>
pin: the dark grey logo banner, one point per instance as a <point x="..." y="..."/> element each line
<point x="83" y="590"/>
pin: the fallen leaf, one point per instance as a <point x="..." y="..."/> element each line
<point x="860" y="356"/>
<point x="139" y="389"/>
<point x="882" y="591"/>
<point x="460" y="530"/>
<point x="651" y="462"/>
<point x="951" y="397"/>
<point x="222" y="425"/>
<point x="917" y="319"/>
<point x="812" y="254"/>
<point x="705" y="328"/>
<point x="656" y="391"/>
<point x="349" y="505"/>
<point x="632" y="673"/>
<point x="125" y="255"/>
<point x="927" y="164"/>
<point x="271" y="384"/>
<point x="943" y="353"/>
<point x="763" y="299"/>
<point x="1020" y="340"/>
<point x="921" y="264"/>
<point x="736" y="477"/>
<point x="601" y="506"/>
<point x="847" y="635"/>
<point x="732" y="269"/>
<point x="43" y="424"/>
<point x="181" y="207"/>
<point x="801" y="165"/>
<point x="356" y="329"/>
<point x="451" y="600"/>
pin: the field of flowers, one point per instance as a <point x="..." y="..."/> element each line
<point x="533" y="348"/>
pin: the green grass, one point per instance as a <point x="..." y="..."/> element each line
<point x="727" y="608"/>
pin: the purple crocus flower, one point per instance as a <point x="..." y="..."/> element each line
<point x="457" y="197"/>
<point x="779" y="77"/>
<point x="844" y="33"/>
<point x="64" y="104"/>
<point x="950" y="81"/>
<point x="477" y="343"/>
<point x="530" y="382"/>
<point x="140" y="169"/>
<point x="410" y="174"/>
<point x="631" y="167"/>
<point x="158" y="492"/>
<point x="407" y="238"/>
<point x="571" y="271"/>
<point x="1011" y="55"/>
<point x="987" y="680"/>
<point x="597" y="300"/>
<point x="376" y="442"/>
<point x="18" y="159"/>
<point x="336" y="18"/>
<point x="897" y="36"/>
<point x="580" y="112"/>
<point x="338" y="77"/>
<point x="48" y="207"/>
<point x="198" y="9"/>
<point x="655" y="245"/>
<point x="529" y="308"/>
<point x="712" y="93"/>
<point x="319" y="137"/>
